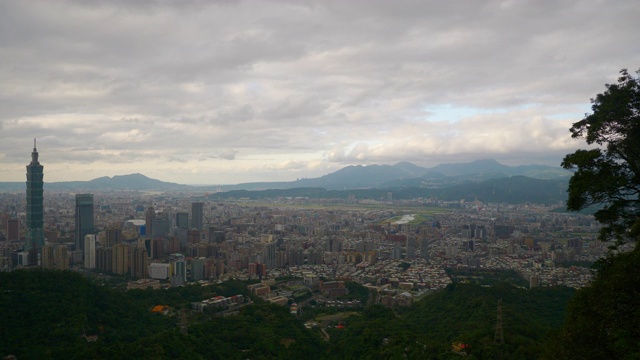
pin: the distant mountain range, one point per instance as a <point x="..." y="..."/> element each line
<point x="118" y="182"/>
<point x="407" y="175"/>
<point x="514" y="190"/>
<point x="483" y="179"/>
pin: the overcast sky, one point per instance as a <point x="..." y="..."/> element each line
<point x="204" y="92"/>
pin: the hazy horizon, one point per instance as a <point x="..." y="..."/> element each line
<point x="268" y="180"/>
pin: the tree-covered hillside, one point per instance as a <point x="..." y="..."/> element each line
<point x="46" y="314"/>
<point x="462" y="313"/>
<point x="54" y="314"/>
<point x="515" y="190"/>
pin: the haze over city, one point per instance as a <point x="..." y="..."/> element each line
<point x="228" y="92"/>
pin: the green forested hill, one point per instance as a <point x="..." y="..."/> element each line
<point x="514" y="190"/>
<point x="45" y="314"/>
<point x="461" y="313"/>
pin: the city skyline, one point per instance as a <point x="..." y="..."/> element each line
<point x="226" y="93"/>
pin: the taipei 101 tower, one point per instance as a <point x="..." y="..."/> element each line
<point x="35" y="208"/>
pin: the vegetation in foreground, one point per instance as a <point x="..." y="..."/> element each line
<point x="55" y="314"/>
<point x="603" y="320"/>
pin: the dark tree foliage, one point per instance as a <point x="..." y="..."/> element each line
<point x="47" y="314"/>
<point x="609" y="175"/>
<point x="460" y="313"/>
<point x="603" y="320"/>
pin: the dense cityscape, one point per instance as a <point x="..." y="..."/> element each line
<point x="399" y="250"/>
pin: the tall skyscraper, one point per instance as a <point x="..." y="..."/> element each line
<point x="149" y="215"/>
<point x="197" y="215"/>
<point x="84" y="219"/>
<point x="35" y="207"/>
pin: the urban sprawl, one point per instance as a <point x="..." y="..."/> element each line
<point x="400" y="250"/>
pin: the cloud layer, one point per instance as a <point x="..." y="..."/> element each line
<point x="228" y="92"/>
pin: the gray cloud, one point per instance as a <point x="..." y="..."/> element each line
<point x="299" y="89"/>
<point x="228" y="154"/>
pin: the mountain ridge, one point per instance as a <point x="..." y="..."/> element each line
<point x="401" y="175"/>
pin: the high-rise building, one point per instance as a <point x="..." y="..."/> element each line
<point x="113" y="236"/>
<point x="47" y="259"/>
<point x="55" y="257"/>
<point x="180" y="269"/>
<point x="160" y="226"/>
<point x="35" y="207"/>
<point x="120" y="254"/>
<point x="193" y="236"/>
<point x="410" y="247"/>
<point x="89" y="251"/>
<point x="51" y="235"/>
<point x="216" y="235"/>
<point x="84" y="219"/>
<point x="104" y="259"/>
<point x="13" y="229"/>
<point x="396" y="252"/>
<point x="197" y="269"/>
<point x="182" y="220"/>
<point x="424" y="248"/>
<point x="139" y="262"/>
<point x="210" y="269"/>
<point x="197" y="215"/>
<point x="269" y="254"/>
<point x="333" y="244"/>
<point x="61" y="257"/>
<point x="157" y="249"/>
<point x="149" y="215"/>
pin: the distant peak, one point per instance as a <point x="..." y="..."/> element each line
<point x="135" y="175"/>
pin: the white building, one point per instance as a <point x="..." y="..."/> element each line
<point x="160" y="271"/>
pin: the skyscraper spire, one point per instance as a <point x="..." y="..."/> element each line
<point x="34" y="154"/>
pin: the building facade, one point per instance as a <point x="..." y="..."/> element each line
<point x="182" y="220"/>
<point x="89" y="251"/>
<point x="149" y="216"/>
<point x="84" y="219"/>
<point x="197" y="215"/>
